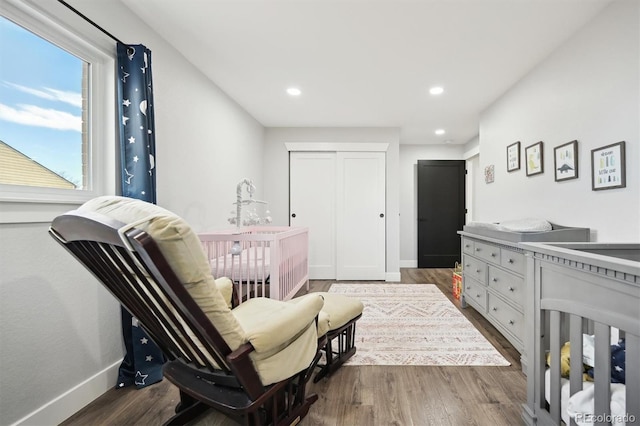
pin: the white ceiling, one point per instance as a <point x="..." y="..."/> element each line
<point x="367" y="63"/>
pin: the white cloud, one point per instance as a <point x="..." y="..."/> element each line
<point x="31" y="115"/>
<point x="71" y="98"/>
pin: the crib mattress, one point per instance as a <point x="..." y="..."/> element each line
<point x="248" y="266"/>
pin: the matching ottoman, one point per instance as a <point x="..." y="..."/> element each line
<point x="338" y="317"/>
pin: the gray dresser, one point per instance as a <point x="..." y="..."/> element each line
<point x="493" y="276"/>
<point x="493" y="284"/>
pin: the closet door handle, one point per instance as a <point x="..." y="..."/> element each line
<point x="293" y="215"/>
<point x="381" y="214"/>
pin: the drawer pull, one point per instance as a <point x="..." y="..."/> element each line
<point x="511" y="289"/>
<point x="478" y="271"/>
<point x="493" y="255"/>
<point x="477" y="295"/>
<point x="510" y="322"/>
<point x="467" y="246"/>
<point x="495" y="309"/>
<point x="495" y="280"/>
<point x="510" y="260"/>
<point x="468" y="287"/>
<point x="478" y="249"/>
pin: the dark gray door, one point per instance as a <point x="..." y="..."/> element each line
<point x="441" y="212"/>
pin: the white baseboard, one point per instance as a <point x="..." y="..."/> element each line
<point x="409" y="263"/>
<point x="73" y="400"/>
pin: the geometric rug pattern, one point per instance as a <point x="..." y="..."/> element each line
<point x="414" y="324"/>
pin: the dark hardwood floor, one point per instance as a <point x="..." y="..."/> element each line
<point x="364" y="395"/>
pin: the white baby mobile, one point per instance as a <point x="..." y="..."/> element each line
<point x="251" y="205"/>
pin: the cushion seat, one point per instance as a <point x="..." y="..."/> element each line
<point x="337" y="320"/>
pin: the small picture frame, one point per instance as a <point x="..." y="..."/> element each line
<point x="608" y="167"/>
<point x="565" y="161"/>
<point x="534" y="160"/>
<point x="489" y="174"/>
<point x="513" y="157"/>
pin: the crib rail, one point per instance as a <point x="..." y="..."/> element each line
<point x="577" y="295"/>
<point x="562" y="325"/>
<point x="261" y="260"/>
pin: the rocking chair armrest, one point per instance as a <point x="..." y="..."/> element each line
<point x="282" y="326"/>
<point x="242" y="367"/>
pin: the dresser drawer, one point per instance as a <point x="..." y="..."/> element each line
<point x="475" y="293"/>
<point x="507" y="284"/>
<point x="467" y="245"/>
<point x="512" y="260"/>
<point x="474" y="268"/>
<point x="506" y="316"/>
<point x="487" y="252"/>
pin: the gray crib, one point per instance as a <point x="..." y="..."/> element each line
<point x="581" y="289"/>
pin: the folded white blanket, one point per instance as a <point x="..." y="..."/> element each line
<point x="580" y="406"/>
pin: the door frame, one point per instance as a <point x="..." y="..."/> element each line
<point x="353" y="147"/>
<point x="461" y="169"/>
<point x="337" y="146"/>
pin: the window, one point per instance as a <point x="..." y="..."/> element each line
<point x="57" y="132"/>
<point x="41" y="108"/>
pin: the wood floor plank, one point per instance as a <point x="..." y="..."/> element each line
<point x="364" y="395"/>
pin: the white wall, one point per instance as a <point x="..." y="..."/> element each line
<point x="276" y="174"/>
<point x="409" y="156"/>
<point x="58" y="327"/>
<point x="588" y="90"/>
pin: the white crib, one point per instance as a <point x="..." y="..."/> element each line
<point x="582" y="288"/>
<point x="261" y="260"/>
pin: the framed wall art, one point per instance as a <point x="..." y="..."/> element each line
<point x="513" y="157"/>
<point x="565" y="161"/>
<point x="534" y="160"/>
<point x="608" y="167"/>
<point x="489" y="174"/>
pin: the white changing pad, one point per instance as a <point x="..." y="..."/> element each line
<point x="518" y="225"/>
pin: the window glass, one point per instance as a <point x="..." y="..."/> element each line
<point x="43" y="111"/>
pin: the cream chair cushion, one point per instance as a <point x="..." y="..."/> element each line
<point x="183" y="251"/>
<point x="283" y="334"/>
<point x="341" y="309"/>
<point x="323" y="316"/>
<point x="337" y="310"/>
<point x="225" y="286"/>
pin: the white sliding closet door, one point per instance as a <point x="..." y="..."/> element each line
<point x="340" y="197"/>
<point x="312" y="194"/>
<point x="360" y="216"/>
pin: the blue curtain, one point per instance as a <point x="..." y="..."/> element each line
<point x="142" y="364"/>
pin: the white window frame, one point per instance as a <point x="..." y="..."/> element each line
<point x="55" y="23"/>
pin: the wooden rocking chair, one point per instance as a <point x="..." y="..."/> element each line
<point x="251" y="363"/>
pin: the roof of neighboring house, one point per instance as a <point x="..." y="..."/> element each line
<point x="18" y="169"/>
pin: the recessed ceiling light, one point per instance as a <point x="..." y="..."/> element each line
<point x="440" y="132"/>
<point x="436" y="90"/>
<point x="294" y="91"/>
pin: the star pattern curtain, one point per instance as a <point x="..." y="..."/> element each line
<point x="142" y="364"/>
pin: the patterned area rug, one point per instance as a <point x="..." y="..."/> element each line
<point x="414" y="324"/>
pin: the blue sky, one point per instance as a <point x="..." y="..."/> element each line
<point x="40" y="100"/>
